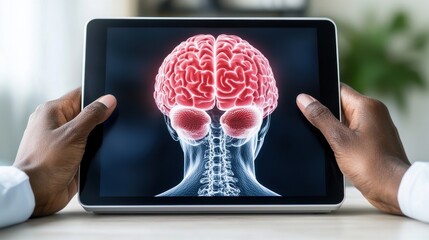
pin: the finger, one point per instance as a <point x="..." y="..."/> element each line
<point x="73" y="97"/>
<point x="349" y="99"/>
<point x="70" y="103"/>
<point x="92" y="115"/>
<point x="321" y="117"/>
<point x="349" y="91"/>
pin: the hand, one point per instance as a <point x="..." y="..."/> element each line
<point x="53" y="145"/>
<point x="366" y="145"/>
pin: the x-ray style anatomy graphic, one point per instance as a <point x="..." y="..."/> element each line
<point x="217" y="94"/>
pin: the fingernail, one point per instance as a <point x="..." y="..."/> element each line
<point x="304" y="99"/>
<point x="108" y="100"/>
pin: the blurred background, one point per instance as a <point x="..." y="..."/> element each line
<point x="383" y="52"/>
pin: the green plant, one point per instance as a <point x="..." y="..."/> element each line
<point x="383" y="58"/>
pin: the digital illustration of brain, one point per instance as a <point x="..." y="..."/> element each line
<point x="226" y="72"/>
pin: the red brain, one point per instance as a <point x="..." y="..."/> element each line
<point x="225" y="72"/>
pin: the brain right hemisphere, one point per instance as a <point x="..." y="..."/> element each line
<point x="226" y="72"/>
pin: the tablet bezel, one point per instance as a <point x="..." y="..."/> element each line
<point x="93" y="87"/>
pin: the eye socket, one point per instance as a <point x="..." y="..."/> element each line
<point x="241" y="122"/>
<point x="190" y="123"/>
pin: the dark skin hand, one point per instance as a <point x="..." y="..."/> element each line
<point x="366" y="145"/>
<point x="53" y="145"/>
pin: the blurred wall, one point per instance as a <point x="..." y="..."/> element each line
<point x="41" y="45"/>
<point x="413" y="125"/>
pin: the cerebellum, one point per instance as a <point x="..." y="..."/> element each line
<point x="241" y="122"/>
<point x="226" y="72"/>
<point x="190" y="123"/>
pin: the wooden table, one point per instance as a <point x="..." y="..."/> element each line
<point x="356" y="219"/>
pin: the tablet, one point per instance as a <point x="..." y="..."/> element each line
<point x="206" y="119"/>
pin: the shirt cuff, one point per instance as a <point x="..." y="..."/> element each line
<point x="413" y="193"/>
<point x="16" y="196"/>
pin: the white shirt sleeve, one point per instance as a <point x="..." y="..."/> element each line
<point x="16" y="196"/>
<point x="413" y="194"/>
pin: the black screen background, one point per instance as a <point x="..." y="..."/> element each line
<point x="139" y="158"/>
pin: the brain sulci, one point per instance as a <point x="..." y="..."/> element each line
<point x="226" y="72"/>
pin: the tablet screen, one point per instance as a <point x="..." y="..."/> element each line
<point x="210" y="112"/>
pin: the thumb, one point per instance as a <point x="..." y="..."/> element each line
<point x="92" y="115"/>
<point x="322" y="118"/>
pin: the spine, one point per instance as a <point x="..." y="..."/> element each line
<point x="218" y="178"/>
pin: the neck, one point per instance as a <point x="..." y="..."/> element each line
<point x="211" y="170"/>
<point x="219" y="168"/>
